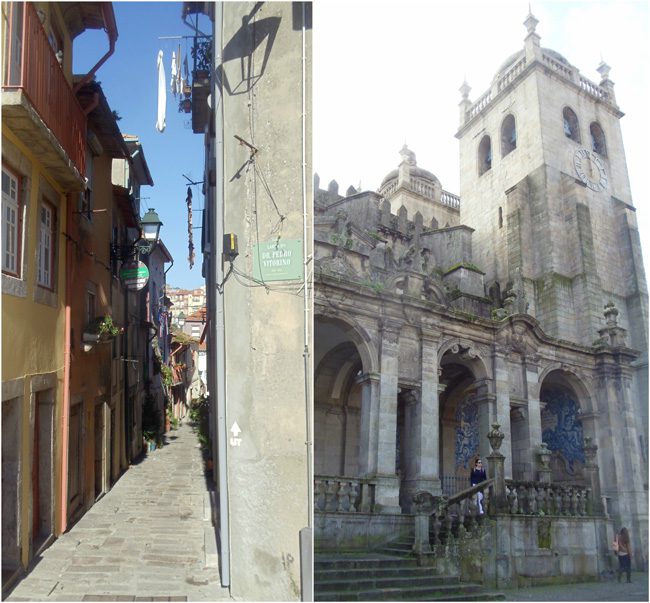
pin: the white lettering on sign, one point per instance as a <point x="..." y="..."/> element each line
<point x="278" y="257"/>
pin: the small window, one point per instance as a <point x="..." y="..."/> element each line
<point x="598" y="139"/>
<point x="500" y="217"/>
<point x="11" y="223"/>
<point x="508" y="135"/>
<point x="90" y="307"/>
<point x="46" y="246"/>
<point x="484" y="155"/>
<point x="570" y="120"/>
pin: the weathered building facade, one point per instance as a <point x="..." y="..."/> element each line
<point x="521" y="303"/>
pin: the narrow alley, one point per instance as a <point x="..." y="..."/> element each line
<point x="149" y="538"/>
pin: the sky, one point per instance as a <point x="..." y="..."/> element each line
<point x="129" y="79"/>
<point x="386" y="73"/>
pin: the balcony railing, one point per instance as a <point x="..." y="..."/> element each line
<point x="31" y="66"/>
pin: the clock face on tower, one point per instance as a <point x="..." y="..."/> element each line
<point x="590" y="169"/>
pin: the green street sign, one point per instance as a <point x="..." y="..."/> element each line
<point x="134" y="275"/>
<point x="278" y="260"/>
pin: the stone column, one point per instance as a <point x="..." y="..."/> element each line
<point x="387" y="488"/>
<point x="591" y="471"/>
<point x="532" y="386"/>
<point x="368" y="429"/>
<point x="498" y="500"/>
<point x="501" y="413"/>
<point x="425" y="421"/>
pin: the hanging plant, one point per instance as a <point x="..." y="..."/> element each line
<point x="185" y="105"/>
<point x="202" y="55"/>
<point x="107" y="327"/>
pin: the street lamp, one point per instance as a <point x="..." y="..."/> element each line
<point x="150" y="234"/>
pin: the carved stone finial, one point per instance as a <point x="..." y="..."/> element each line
<point x="465" y="89"/>
<point x="495" y="436"/>
<point x="530" y="23"/>
<point x="610" y="314"/>
<point x="604" y="70"/>
<point x="407" y="155"/>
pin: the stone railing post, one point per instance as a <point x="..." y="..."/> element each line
<point x="544" y="466"/>
<point x="496" y="469"/>
<point x="593" y="479"/>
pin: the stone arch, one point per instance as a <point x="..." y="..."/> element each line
<point x="570" y="124"/>
<point x="463" y="414"/>
<point x="598" y="143"/>
<point x="344" y="356"/>
<point x="508" y="135"/>
<point x="484" y="155"/>
<point x="564" y="401"/>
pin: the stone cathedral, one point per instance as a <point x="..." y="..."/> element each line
<point x="519" y="308"/>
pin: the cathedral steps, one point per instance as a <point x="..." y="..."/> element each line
<point x="385" y="577"/>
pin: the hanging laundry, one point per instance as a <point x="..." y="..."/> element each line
<point x="162" y="94"/>
<point x="179" y="86"/>
<point x="174" y="86"/>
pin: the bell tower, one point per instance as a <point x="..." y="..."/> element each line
<point x="544" y="182"/>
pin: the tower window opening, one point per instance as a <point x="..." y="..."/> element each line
<point x="484" y="155"/>
<point x="508" y="135"/>
<point x="598" y="139"/>
<point x="500" y="217"/>
<point x="571" y="129"/>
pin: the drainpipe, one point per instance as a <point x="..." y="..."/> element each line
<point x="65" y="419"/>
<point x="220" y="344"/>
<point x="306" y="535"/>
<point x="111" y="30"/>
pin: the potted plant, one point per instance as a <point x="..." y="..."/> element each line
<point x="100" y="330"/>
<point x="185" y="105"/>
<point x="202" y="55"/>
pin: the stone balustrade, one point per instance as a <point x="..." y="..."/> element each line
<point x="536" y="498"/>
<point x="334" y="494"/>
<point x="547" y="60"/>
<point x="450" y="200"/>
<point x="510" y="75"/>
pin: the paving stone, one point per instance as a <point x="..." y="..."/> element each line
<point x="144" y="540"/>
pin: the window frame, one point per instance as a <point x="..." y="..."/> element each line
<point x="18" y="227"/>
<point x="44" y="230"/>
<point x="602" y="152"/>
<point x="507" y="145"/>
<point x="485" y="158"/>
<point x="574" y="133"/>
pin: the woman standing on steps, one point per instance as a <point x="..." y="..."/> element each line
<point x="623" y="551"/>
<point x="476" y="477"/>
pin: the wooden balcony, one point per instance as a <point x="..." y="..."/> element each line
<point x="38" y="103"/>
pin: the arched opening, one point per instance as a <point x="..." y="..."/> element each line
<point x="461" y="423"/>
<point x="562" y="429"/>
<point x="337" y="399"/>
<point x="508" y="135"/>
<point x="570" y="123"/>
<point x="598" y="139"/>
<point x="484" y="155"/>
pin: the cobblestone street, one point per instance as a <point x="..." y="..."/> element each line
<point x="149" y="538"/>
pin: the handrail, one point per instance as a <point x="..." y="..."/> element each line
<point x="469" y="492"/>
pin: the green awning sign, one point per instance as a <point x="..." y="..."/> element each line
<point x="278" y="260"/>
<point x="134" y="275"/>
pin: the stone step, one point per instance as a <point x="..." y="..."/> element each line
<point x="362" y="562"/>
<point x="356" y="574"/>
<point x="465" y="592"/>
<point x="361" y="582"/>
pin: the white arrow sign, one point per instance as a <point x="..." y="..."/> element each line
<point x="235" y="430"/>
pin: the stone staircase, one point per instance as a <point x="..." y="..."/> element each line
<point x="388" y="575"/>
